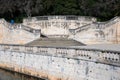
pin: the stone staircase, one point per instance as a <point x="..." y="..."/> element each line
<point x="19" y="26"/>
<point x="17" y="33"/>
<point x="96" y="25"/>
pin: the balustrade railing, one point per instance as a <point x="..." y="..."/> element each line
<point x="96" y="25"/>
<point x="67" y="17"/>
<point x="19" y="26"/>
<point x="96" y="55"/>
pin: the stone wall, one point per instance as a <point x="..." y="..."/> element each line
<point x="61" y="63"/>
<point x="98" y="32"/>
<point x="57" y="25"/>
<point x="82" y="29"/>
<point x="16" y="34"/>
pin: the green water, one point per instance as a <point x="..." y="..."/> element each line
<point x="8" y="75"/>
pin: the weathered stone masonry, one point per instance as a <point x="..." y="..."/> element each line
<point x="61" y="63"/>
<point x="80" y="28"/>
<point x="17" y="33"/>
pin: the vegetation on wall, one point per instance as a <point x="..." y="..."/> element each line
<point x="18" y="9"/>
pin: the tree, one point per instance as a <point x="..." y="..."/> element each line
<point x="67" y="7"/>
<point x="7" y="6"/>
<point x="17" y="9"/>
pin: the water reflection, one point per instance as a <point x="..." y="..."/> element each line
<point x="7" y="75"/>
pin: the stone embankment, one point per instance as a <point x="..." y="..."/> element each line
<point x="62" y="63"/>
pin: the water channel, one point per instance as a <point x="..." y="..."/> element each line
<point x="8" y="75"/>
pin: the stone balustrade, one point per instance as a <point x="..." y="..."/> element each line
<point x="19" y="26"/>
<point x="58" y="36"/>
<point x="68" y="17"/>
<point x="103" y="25"/>
<point x="79" y="29"/>
<point x="96" y="25"/>
<point x="94" y="55"/>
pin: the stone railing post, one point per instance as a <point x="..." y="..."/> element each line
<point x="29" y="49"/>
<point x="52" y="51"/>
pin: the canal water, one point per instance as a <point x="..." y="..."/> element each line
<point x="8" y="75"/>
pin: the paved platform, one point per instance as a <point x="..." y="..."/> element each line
<point x="55" y="42"/>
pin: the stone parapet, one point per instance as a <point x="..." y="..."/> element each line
<point x="96" y="55"/>
<point x="67" y="17"/>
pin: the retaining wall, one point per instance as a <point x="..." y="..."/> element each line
<point x="61" y="63"/>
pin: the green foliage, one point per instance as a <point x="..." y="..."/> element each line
<point x="67" y="7"/>
<point x="18" y="9"/>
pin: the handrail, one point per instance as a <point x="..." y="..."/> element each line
<point x="26" y="28"/>
<point x="84" y="27"/>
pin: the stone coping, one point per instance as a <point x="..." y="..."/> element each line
<point x="97" y="47"/>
